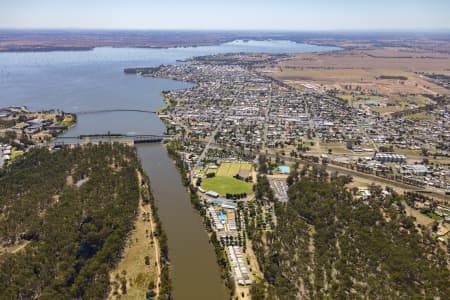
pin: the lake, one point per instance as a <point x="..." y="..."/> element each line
<point x="76" y="81"/>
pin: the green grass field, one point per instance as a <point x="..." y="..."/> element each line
<point x="16" y="153"/>
<point x="226" y="185"/>
<point x="68" y="121"/>
<point x="434" y="216"/>
<point x="345" y="97"/>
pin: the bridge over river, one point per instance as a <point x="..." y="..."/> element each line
<point x="100" y="111"/>
<point x="135" y="138"/>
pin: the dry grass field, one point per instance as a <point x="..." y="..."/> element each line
<point x="139" y="265"/>
<point x="230" y="169"/>
<point x="433" y="44"/>
<point x="363" y="70"/>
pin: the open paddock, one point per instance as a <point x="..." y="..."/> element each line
<point x="386" y="70"/>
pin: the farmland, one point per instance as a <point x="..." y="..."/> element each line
<point x="386" y="71"/>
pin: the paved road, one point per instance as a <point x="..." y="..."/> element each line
<point x="266" y="124"/>
<point x="219" y="127"/>
<point x="341" y="170"/>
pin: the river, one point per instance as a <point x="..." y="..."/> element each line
<point x="94" y="80"/>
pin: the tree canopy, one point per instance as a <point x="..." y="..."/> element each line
<point x="329" y="245"/>
<point x="75" y="208"/>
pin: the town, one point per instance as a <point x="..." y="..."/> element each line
<point x="225" y="150"/>
<point x="22" y="129"/>
<point x="238" y="124"/>
<point x="233" y="106"/>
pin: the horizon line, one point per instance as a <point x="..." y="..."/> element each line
<point x="367" y="30"/>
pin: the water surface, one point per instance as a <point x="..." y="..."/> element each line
<point x="93" y="80"/>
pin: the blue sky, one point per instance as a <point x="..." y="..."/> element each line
<point x="230" y="14"/>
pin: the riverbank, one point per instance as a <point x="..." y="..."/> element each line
<point x="167" y="104"/>
<point x="92" y="82"/>
<point x="190" y="251"/>
<point x="75" y="207"/>
<point x="173" y="149"/>
<point x="138" y="273"/>
<point x="229" y="255"/>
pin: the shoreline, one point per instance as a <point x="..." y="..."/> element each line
<point x="48" y="49"/>
<point x="196" y="205"/>
<point x="145" y="274"/>
<point x="227" y="282"/>
<point x="46" y="132"/>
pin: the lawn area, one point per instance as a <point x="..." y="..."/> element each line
<point x="344" y="97"/>
<point x="231" y="169"/>
<point x="223" y="169"/>
<point x="246" y="166"/>
<point x="68" y="121"/>
<point x="16" y="153"/>
<point x="434" y="216"/>
<point x="446" y="237"/>
<point x="226" y="185"/>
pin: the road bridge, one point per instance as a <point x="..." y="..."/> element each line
<point x="100" y="111"/>
<point x="135" y="138"/>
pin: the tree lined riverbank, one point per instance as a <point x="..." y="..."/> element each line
<point x="75" y="208"/>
